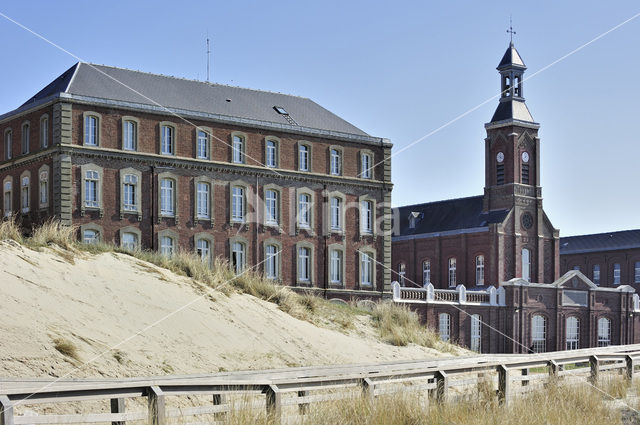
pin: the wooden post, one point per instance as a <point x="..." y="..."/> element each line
<point x="117" y="406"/>
<point x="219" y="399"/>
<point x="274" y="402"/>
<point x="631" y="365"/>
<point x="368" y="389"/>
<point x="6" y="411"/>
<point x="504" y="385"/>
<point x="595" y="369"/>
<point x="157" y="414"/>
<point x="302" y="407"/>
<point x="442" y="387"/>
<point x="525" y="372"/>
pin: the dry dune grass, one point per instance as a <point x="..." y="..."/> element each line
<point x="396" y="324"/>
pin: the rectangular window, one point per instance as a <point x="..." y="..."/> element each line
<point x="203" y="200"/>
<point x="336" y="214"/>
<point x="167" y="197"/>
<point x="500" y="174"/>
<point x="637" y="272"/>
<point x="203" y="249"/>
<point x="480" y="270"/>
<point x="272" y="154"/>
<point x="604" y="332"/>
<point x="91" y="130"/>
<point x="25" y="139"/>
<point x="304" y="264"/>
<point x="335" y="267"/>
<point x="44" y="132"/>
<point x="202" y="150"/>
<point x="129" y="241"/>
<point x="336" y="162"/>
<point x="304" y="211"/>
<point x="303" y="158"/>
<point x="167" y="246"/>
<point x="366" y="217"/>
<point x="8" y="208"/>
<point x="444" y="329"/>
<point x="526" y="264"/>
<point x="452" y="272"/>
<point x="426" y="272"/>
<point x="25" y="194"/>
<point x="7" y="145"/>
<point x="476" y="333"/>
<point x="91" y="189"/>
<point x="271" y="262"/>
<point x="44" y="187"/>
<point x="238" y="257"/>
<point x="596" y="274"/>
<point x="90" y="236"/>
<point x="271" y="207"/>
<point x="573" y="333"/>
<point x="366" y="267"/>
<point x="130" y="136"/>
<point x="237" y="204"/>
<point x="167" y="143"/>
<point x="365" y="166"/>
<point x="238" y="150"/>
<point x="616" y="274"/>
<point x="129" y="192"/>
<point x="538" y="334"/>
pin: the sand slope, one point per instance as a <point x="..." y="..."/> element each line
<point x="100" y="301"/>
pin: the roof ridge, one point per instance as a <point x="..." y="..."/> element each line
<point x="441" y="201"/>
<point x="191" y="79"/>
<point x="601" y="234"/>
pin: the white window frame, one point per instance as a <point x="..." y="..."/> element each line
<point x="168" y="138"/>
<point x="271" y="152"/>
<point x="168" y="197"/>
<point x="272" y="205"/>
<point x="480" y="270"/>
<point x="203" y="142"/>
<point x="367" y="207"/>
<point x="25" y="192"/>
<point x="336" y="265"/>
<point x="304" y="210"/>
<point x="366" y="162"/>
<point x="617" y="273"/>
<point x="91" y="227"/>
<point x="238" y="204"/>
<point x="335" y="160"/>
<point x="596" y="274"/>
<point x="526" y="264"/>
<point x="129" y="245"/>
<point x="203" y="199"/>
<point x="305" y="271"/>
<point x="572" y="333"/>
<point x="272" y="260"/>
<point x="302" y="164"/>
<point x="203" y="250"/>
<point x="92" y="130"/>
<point x="238" y="249"/>
<point x="402" y="273"/>
<point x="238" y="148"/>
<point x="44" y="131"/>
<point x="7" y="190"/>
<point x="25" y="137"/>
<point x="444" y="327"/>
<point x="426" y="272"/>
<point x="130" y="199"/>
<point x="167" y="245"/>
<point x="130" y="230"/>
<point x="335" y="210"/>
<point x="92" y="178"/>
<point x="130" y="127"/>
<point x="367" y="260"/>
<point x="476" y="333"/>
<point x="43" y="186"/>
<point x="538" y="333"/>
<point x="8" y="144"/>
<point x="604" y="332"/>
<point x="453" y="269"/>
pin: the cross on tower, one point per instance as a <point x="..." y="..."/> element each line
<point x="510" y="30"/>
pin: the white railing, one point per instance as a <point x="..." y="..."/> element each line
<point x="460" y="295"/>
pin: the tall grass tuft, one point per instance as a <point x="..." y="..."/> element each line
<point x="66" y="348"/>
<point x="398" y="325"/>
<point x="10" y="229"/>
<point x="52" y="231"/>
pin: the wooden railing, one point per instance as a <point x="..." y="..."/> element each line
<point x="288" y="392"/>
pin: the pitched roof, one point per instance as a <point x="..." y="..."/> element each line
<point x="104" y="82"/>
<point x="445" y="216"/>
<point x="626" y="239"/>
<point x="512" y="110"/>
<point x="511" y="58"/>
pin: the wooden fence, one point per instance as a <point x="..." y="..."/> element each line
<point x="288" y="392"/>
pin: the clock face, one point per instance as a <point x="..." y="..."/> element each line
<point x="500" y="157"/>
<point x="525" y="156"/>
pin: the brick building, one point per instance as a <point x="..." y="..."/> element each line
<point x="485" y="271"/>
<point x="608" y="259"/>
<point x="266" y="180"/>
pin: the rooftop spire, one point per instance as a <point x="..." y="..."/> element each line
<point x="510" y="30"/>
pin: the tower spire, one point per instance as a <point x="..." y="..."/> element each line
<point x="510" y="30"/>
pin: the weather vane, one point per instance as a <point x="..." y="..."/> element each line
<point x="510" y="30"/>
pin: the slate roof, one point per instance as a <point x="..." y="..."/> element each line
<point x="511" y="58"/>
<point x="99" y="81"/>
<point x="512" y="110"/>
<point x="612" y="241"/>
<point x="446" y="216"/>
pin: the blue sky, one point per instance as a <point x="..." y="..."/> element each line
<point x="397" y="70"/>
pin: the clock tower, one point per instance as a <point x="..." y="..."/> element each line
<point x="526" y="242"/>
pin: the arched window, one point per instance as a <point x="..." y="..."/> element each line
<point x="271" y="153"/>
<point x="452" y="272"/>
<point x="480" y="270"/>
<point x="91" y="129"/>
<point x="25" y="138"/>
<point x="203" y="200"/>
<point x="129" y="135"/>
<point x="366" y="269"/>
<point x="304" y="157"/>
<point x="336" y="162"/>
<point x="271" y="254"/>
<point x="401" y="273"/>
<point x="304" y="264"/>
<point x="91" y="191"/>
<point x="167" y="197"/>
<point x="573" y="333"/>
<point x="238" y="149"/>
<point x="8" y="144"/>
<point x="238" y="208"/>
<point x="238" y="257"/>
<point x="526" y="264"/>
<point x="271" y="207"/>
<point x="8" y="195"/>
<point x="426" y="272"/>
<point x="365" y="166"/>
<point x="304" y="210"/>
<point x="336" y="213"/>
<point x="25" y="194"/>
<point x="129" y="241"/>
<point x="202" y="145"/>
<point x="604" y="332"/>
<point x="444" y="326"/>
<point x="476" y="333"/>
<point x="335" y="267"/>
<point x="538" y="334"/>
<point x="167" y="245"/>
<point x="44" y="131"/>
<point x="167" y="140"/>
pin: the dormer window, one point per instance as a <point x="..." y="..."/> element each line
<point x="413" y="219"/>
